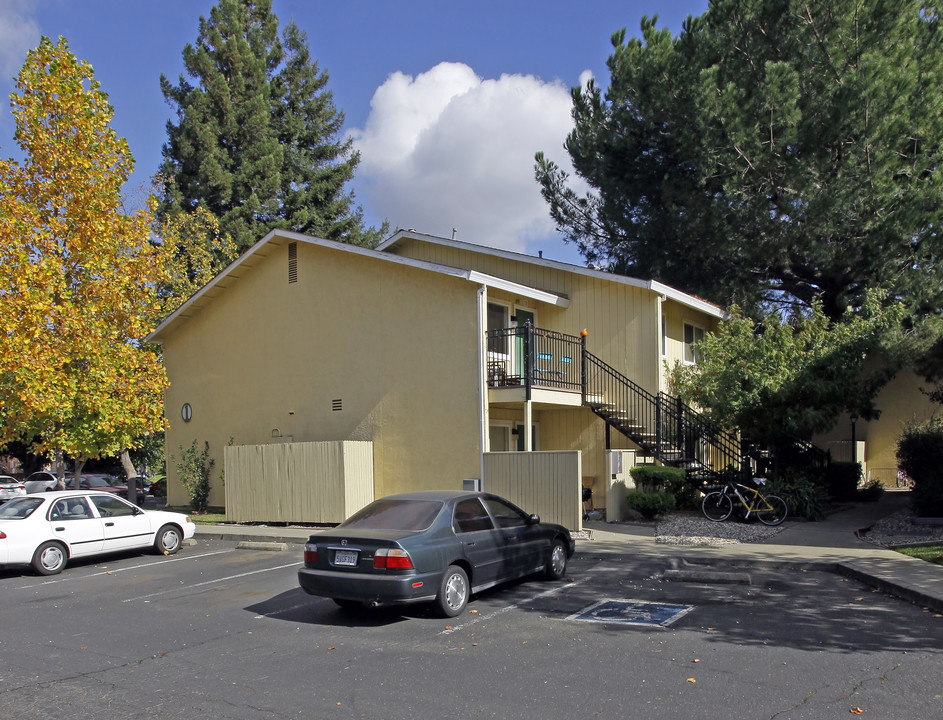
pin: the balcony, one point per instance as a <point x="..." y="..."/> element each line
<point x="529" y="358"/>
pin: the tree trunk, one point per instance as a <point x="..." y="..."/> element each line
<point x="131" y="474"/>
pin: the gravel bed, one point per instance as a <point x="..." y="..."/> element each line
<point x="900" y="529"/>
<point x="695" y="529"/>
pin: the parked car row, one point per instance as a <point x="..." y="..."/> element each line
<point x="44" y="481"/>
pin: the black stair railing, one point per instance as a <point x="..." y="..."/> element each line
<point x="670" y="431"/>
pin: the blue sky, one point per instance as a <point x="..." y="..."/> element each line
<point x="447" y="102"/>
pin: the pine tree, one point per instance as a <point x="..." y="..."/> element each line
<point x="778" y="150"/>
<point x="256" y="141"/>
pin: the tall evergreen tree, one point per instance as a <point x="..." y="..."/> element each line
<point x="257" y="138"/>
<point x="780" y="150"/>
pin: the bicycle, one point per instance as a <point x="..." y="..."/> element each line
<point x="769" y="509"/>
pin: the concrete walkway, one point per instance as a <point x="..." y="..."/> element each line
<point x="831" y="545"/>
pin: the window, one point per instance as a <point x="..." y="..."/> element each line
<point x="109" y="506"/>
<point x="471" y="516"/>
<point x="692" y="336"/>
<point x="499" y="437"/>
<point x="70" y="509"/>
<point x="497" y="320"/>
<point x="664" y="337"/>
<point x="506" y="516"/>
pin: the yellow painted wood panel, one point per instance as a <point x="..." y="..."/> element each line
<point x="546" y="483"/>
<point x="298" y="482"/>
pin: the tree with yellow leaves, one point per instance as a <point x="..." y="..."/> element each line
<point x="78" y="275"/>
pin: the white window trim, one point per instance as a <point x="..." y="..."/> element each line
<point x="684" y="342"/>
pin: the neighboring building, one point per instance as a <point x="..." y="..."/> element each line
<point x="875" y="442"/>
<point x="419" y="347"/>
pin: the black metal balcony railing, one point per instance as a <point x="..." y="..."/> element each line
<point x="530" y="357"/>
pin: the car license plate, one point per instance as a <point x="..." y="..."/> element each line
<point x="345" y="557"/>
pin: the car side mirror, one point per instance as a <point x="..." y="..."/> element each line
<point x="534" y="519"/>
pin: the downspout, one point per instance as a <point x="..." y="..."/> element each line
<point x="482" y="390"/>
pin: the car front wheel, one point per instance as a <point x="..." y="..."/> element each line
<point x="453" y="592"/>
<point x="168" y="540"/>
<point x="50" y="558"/>
<point x="556" y="565"/>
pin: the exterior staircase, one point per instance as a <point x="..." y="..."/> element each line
<point x="662" y="426"/>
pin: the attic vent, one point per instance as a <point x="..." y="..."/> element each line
<point x="337" y="405"/>
<point x="292" y="262"/>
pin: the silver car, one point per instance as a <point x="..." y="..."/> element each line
<point x="10" y="487"/>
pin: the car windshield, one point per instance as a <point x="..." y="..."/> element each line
<point x="19" y="508"/>
<point x="391" y="514"/>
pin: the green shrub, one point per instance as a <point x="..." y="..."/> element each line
<point x="920" y="455"/>
<point x="871" y="492"/>
<point x="194" y="468"/>
<point x="804" y="497"/>
<point x="655" y="478"/>
<point x="651" y="504"/>
<point x="842" y="480"/>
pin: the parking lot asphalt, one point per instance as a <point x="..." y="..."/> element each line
<point x="833" y="545"/>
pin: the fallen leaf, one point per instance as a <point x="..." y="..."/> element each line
<point x="859" y="599"/>
<point x="856" y="711"/>
<point x="938" y="615"/>
<point x="83" y="647"/>
<point x="473" y="612"/>
<point x="692" y="680"/>
<point x="697" y="660"/>
<point x="474" y="644"/>
<point x="448" y="627"/>
<point x="332" y="648"/>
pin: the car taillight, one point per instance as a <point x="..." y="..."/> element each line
<point x="392" y="559"/>
<point x="311" y="554"/>
<point x="3" y="535"/>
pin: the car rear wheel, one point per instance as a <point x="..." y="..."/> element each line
<point x="453" y="592"/>
<point x="556" y="565"/>
<point x="50" y="558"/>
<point x="168" y="540"/>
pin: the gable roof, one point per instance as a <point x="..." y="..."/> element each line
<point x="679" y="296"/>
<point x="277" y="238"/>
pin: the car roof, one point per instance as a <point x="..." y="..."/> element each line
<point x="441" y="495"/>
<point x="55" y="494"/>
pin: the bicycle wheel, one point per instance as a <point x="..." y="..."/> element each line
<point x="716" y="506"/>
<point x="776" y="512"/>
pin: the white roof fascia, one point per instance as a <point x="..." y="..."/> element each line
<point x="516" y="289"/>
<point x="470" y="275"/>
<point x="653" y="285"/>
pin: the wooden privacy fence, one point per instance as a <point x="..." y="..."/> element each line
<point x="313" y="482"/>
<point x="547" y="483"/>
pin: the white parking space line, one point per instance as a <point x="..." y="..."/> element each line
<point x="210" y="582"/>
<point x="69" y="578"/>
<point x="514" y="606"/>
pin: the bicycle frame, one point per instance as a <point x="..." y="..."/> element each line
<point x="756" y="503"/>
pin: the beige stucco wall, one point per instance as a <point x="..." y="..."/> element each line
<point x="622" y="320"/>
<point x="265" y="360"/>
<point x="624" y="326"/>
<point x="900" y="402"/>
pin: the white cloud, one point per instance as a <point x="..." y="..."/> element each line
<point x="448" y="149"/>
<point x="19" y="33"/>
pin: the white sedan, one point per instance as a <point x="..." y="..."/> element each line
<point x="46" y="530"/>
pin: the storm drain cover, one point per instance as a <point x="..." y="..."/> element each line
<point x="632" y="612"/>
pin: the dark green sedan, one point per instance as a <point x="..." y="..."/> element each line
<point x="434" y="547"/>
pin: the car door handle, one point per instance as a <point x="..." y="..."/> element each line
<point x="469" y="544"/>
<point x="109" y="524"/>
<point x="60" y="529"/>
